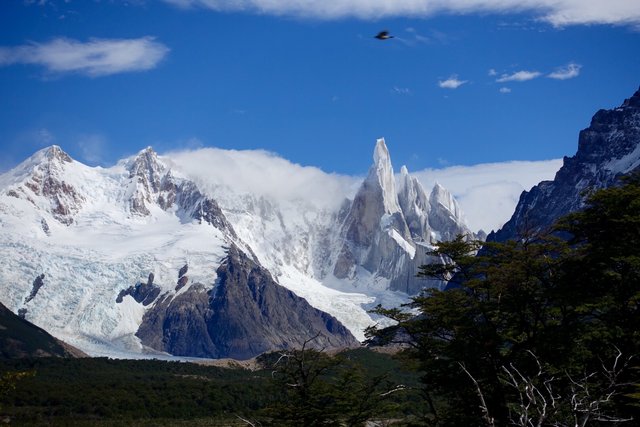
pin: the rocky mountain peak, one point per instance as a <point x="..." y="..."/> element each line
<point x="440" y="196"/>
<point x="634" y="101"/>
<point x="43" y="180"/>
<point x="607" y="149"/>
<point x="247" y="313"/>
<point x="381" y="173"/>
<point x="612" y="134"/>
<point x="147" y="166"/>
<point x="445" y="216"/>
<point x="414" y="203"/>
<point x="146" y="173"/>
<point x="55" y="153"/>
<point x="375" y="205"/>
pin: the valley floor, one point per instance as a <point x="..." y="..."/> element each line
<point x="108" y="392"/>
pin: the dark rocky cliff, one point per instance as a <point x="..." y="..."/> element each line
<point x="607" y="149"/>
<point x="245" y="314"/>
<point x="20" y="338"/>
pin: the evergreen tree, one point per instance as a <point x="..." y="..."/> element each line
<point x="571" y="303"/>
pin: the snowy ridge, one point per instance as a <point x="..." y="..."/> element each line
<point x="94" y="232"/>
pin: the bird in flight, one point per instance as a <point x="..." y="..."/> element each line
<point x="383" y="35"/>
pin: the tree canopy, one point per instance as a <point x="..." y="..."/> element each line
<point x="558" y="312"/>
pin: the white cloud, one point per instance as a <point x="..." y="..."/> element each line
<point x="97" y="57"/>
<point x="92" y="147"/>
<point x="492" y="72"/>
<point x="488" y="193"/>
<point x="519" y="76"/>
<point x="556" y="12"/>
<point x="452" y="82"/>
<point x="417" y="38"/>
<point x="264" y="174"/>
<point x="504" y="90"/>
<point x="564" y="73"/>
<point x="401" y="90"/>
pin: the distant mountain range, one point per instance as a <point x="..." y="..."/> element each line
<point x="140" y="259"/>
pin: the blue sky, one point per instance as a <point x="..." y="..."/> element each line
<point x="463" y="82"/>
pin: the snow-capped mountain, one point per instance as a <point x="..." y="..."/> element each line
<point x="607" y="149"/>
<point x="386" y="234"/>
<point x="104" y="257"/>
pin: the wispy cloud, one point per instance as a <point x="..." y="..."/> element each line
<point x="414" y="37"/>
<point x="452" y="82"/>
<point x="564" y="73"/>
<point x="519" y="76"/>
<point x="264" y="174"/>
<point x="556" y="12"/>
<point x="401" y="90"/>
<point x="92" y="148"/>
<point x="504" y="90"/>
<point x="492" y="72"/>
<point x="97" y="57"/>
<point x="488" y="193"/>
<point x="418" y="37"/>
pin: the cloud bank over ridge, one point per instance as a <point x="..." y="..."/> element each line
<point x="264" y="174"/>
<point x="487" y="193"/>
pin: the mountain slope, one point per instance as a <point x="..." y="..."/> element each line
<point x="244" y="314"/>
<point x="607" y="149"/>
<point x="94" y="254"/>
<point x="19" y="338"/>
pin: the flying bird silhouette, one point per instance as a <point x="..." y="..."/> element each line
<point x="383" y="35"/>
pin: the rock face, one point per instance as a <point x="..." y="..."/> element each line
<point x="20" y="338"/>
<point x="445" y="216"/>
<point x="374" y="224"/>
<point x="37" y="284"/>
<point x="387" y="232"/>
<point x="607" y="149"/>
<point x="143" y="293"/>
<point x="415" y="205"/>
<point x="47" y="183"/>
<point x="246" y="313"/>
<point x="152" y="183"/>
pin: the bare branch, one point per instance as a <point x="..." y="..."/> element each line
<point x="393" y="390"/>
<point x="247" y="422"/>
<point x="483" y="404"/>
